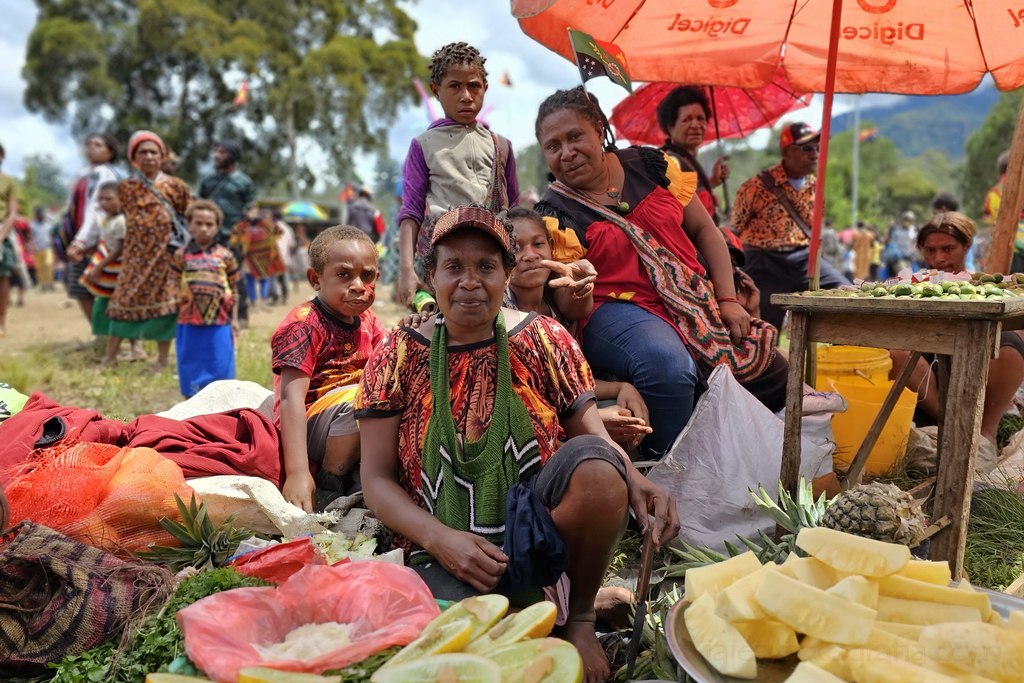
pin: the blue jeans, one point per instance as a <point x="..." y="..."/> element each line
<point x="626" y="342"/>
<point x="258" y="288"/>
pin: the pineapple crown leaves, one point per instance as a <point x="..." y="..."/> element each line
<point x="792" y="515"/>
<point x="203" y="545"/>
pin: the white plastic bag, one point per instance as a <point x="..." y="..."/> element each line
<point x="731" y="444"/>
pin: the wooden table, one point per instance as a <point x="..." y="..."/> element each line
<point x="965" y="334"/>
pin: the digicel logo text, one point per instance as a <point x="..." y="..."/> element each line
<point x="886" y="35"/>
<point x="711" y="26"/>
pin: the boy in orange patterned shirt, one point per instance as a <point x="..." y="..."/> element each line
<point x="319" y="352"/>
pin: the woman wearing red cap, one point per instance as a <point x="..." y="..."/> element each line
<point x="145" y="300"/>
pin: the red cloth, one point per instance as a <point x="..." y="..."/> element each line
<point x="19" y="433"/>
<point x="239" y="441"/>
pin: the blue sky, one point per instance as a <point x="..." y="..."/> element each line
<point x="534" y="70"/>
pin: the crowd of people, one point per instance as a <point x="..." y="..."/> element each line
<point x="568" y="336"/>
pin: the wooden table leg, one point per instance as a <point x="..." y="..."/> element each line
<point x="959" y="434"/>
<point x="790" y="472"/>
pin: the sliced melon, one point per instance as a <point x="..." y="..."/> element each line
<point x="853" y="554"/>
<point x="483" y="610"/>
<point x="814" y="612"/>
<point x="713" y="578"/>
<point x="718" y="641"/>
<point x="857" y="589"/>
<point x="454" y="667"/>
<point x="535" y="621"/>
<point x="539" y="660"/>
<point x="450" y="637"/>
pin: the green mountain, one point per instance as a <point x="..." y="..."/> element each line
<point x="918" y="123"/>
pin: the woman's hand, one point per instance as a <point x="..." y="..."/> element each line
<point x="630" y="399"/>
<point x="75" y="252"/>
<point x="736" y="318"/>
<point x="719" y="172"/>
<point x="414" y="320"/>
<point x="407" y="282"/>
<point x="470" y="558"/>
<point x="623" y="425"/>
<point x="748" y="293"/>
<point x="299" y="490"/>
<point x="647" y="499"/>
<point x="93" y="275"/>
<point x="578" y="276"/>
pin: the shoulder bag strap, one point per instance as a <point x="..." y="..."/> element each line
<point x="769" y="183"/>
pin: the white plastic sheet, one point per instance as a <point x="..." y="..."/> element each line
<point x="731" y="444"/>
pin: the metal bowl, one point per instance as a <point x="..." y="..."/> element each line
<point x="768" y="670"/>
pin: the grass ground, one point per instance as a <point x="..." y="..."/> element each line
<point x="38" y="355"/>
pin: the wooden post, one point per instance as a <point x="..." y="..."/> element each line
<point x="789" y="474"/>
<point x="958" y="438"/>
<point x="1000" y="251"/>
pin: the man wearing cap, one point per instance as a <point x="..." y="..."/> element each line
<point x="234" y="192"/>
<point x="772" y="215"/>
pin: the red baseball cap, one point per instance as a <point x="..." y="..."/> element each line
<point x="798" y="133"/>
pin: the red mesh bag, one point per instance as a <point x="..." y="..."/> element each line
<point x="109" y="497"/>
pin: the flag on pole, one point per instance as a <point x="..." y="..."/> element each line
<point x="505" y="80"/>
<point x="242" y="96"/>
<point x="866" y="134"/>
<point x="598" y="58"/>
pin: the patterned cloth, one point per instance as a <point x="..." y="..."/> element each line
<point x="653" y="206"/>
<point x="258" y="241"/>
<point x="549" y="374"/>
<point x="233" y="192"/>
<point x="111" y="231"/>
<point x="147" y="287"/>
<point x="762" y="221"/>
<point x="329" y="350"/>
<point x="208" y="281"/>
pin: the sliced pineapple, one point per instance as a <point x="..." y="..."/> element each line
<point x="869" y="666"/>
<point x="814" y="612"/>
<point x="996" y="619"/>
<point x="936" y="572"/>
<point x="831" y="658"/>
<point x="769" y="639"/>
<point x="713" y="578"/>
<point x="912" y="589"/>
<point x="853" y="554"/>
<point x="987" y="650"/>
<point x="964" y="585"/>
<point x="857" y="589"/>
<point x="1016" y="620"/>
<point x="894" y="645"/>
<point x="809" y="672"/>
<point x="718" y="641"/>
<point x="911" y="631"/>
<point x="811" y="571"/>
<point x="924" y="613"/>
<point x="736" y="602"/>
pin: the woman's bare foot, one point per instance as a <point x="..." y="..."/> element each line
<point x="595" y="663"/>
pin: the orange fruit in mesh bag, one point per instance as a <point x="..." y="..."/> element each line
<point x="139" y="494"/>
<point x="60" y="486"/>
<point x="93" y="530"/>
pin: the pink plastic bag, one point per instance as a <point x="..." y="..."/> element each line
<point x="385" y="603"/>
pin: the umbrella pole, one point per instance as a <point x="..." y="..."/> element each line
<point x="721" y="150"/>
<point x="814" y="256"/>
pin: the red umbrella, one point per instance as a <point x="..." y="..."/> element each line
<point x="736" y="112"/>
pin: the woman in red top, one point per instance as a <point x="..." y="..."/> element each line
<point x="660" y="320"/>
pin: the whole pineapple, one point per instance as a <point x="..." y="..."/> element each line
<point x="879" y="511"/>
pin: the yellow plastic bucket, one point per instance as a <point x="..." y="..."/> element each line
<point x="852" y="365"/>
<point x="849" y="428"/>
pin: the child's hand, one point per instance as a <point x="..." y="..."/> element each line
<point x="578" y="276"/>
<point x="299" y="490"/>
